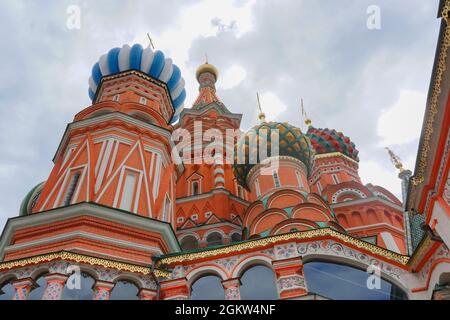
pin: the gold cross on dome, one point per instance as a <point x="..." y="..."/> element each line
<point x="308" y="121"/>
<point x="262" y="115"/>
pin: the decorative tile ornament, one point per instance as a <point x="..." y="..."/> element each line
<point x="286" y="251"/>
<point x="432" y="111"/>
<point x="291" y="282"/>
<point x="232" y="293"/>
<point x="54" y="289"/>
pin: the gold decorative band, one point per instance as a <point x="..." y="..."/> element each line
<point x="309" y="235"/>
<point x="75" y="257"/>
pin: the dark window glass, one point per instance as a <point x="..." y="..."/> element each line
<point x="195" y="189"/>
<point x="258" y="283"/>
<point x="71" y="189"/>
<point x="189" y="243"/>
<point x="124" y="290"/>
<point x="235" y="237"/>
<point x="37" y="292"/>
<point x="340" y="282"/>
<point x="85" y="292"/>
<point x="6" y="291"/>
<point x="214" y="239"/>
<point x="207" y="288"/>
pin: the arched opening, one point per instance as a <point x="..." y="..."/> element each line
<point x="207" y="288"/>
<point x="143" y="117"/>
<point x="357" y="219"/>
<point x="388" y="217"/>
<point x="236" y="237"/>
<point x="214" y="239"/>
<point x="38" y="290"/>
<point x="85" y="290"/>
<point x="100" y="113"/>
<point x="195" y="188"/>
<point x="6" y="290"/>
<point x="372" y="216"/>
<point x="189" y="243"/>
<point x="342" y="219"/>
<point x="342" y="282"/>
<point x="258" y="283"/>
<point x="124" y="290"/>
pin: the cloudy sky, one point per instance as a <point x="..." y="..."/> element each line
<point x="370" y="84"/>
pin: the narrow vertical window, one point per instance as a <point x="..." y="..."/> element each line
<point x="319" y="187"/>
<point x="142" y="100"/>
<point x="71" y="189"/>
<point x="276" y="179"/>
<point x="156" y="176"/>
<point x="166" y="211"/>
<point x="257" y="188"/>
<point x="335" y="179"/>
<point x="299" y="179"/>
<point x="116" y="98"/>
<point x="128" y="192"/>
<point x="195" y="188"/>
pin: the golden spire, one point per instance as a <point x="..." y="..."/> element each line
<point x="395" y="160"/>
<point x="262" y="115"/>
<point x="150" y="44"/>
<point x="308" y="121"/>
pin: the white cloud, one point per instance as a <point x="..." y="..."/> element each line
<point x="373" y="172"/>
<point x="272" y="105"/>
<point x="232" y="77"/>
<point x="402" y="122"/>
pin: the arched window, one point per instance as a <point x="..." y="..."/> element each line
<point x="236" y="237"/>
<point x="341" y="282"/>
<point x="258" y="283"/>
<point x="195" y="188"/>
<point x="189" y="243"/>
<point x="207" y="288"/>
<point x="124" y="290"/>
<point x="38" y="291"/>
<point x="6" y="290"/>
<point x="85" y="291"/>
<point x="71" y="188"/>
<point x="214" y="239"/>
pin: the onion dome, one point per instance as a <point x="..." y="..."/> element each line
<point x="152" y="63"/>
<point x="329" y="141"/>
<point x="206" y="67"/>
<point x="292" y="142"/>
<point x="31" y="199"/>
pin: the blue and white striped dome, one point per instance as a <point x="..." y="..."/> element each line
<point x="148" y="61"/>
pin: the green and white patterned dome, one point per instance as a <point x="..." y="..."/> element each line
<point x="292" y="142"/>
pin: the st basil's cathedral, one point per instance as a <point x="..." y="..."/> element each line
<point x="119" y="218"/>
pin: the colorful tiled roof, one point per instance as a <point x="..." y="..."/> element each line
<point x="329" y="141"/>
<point x="292" y="142"/>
